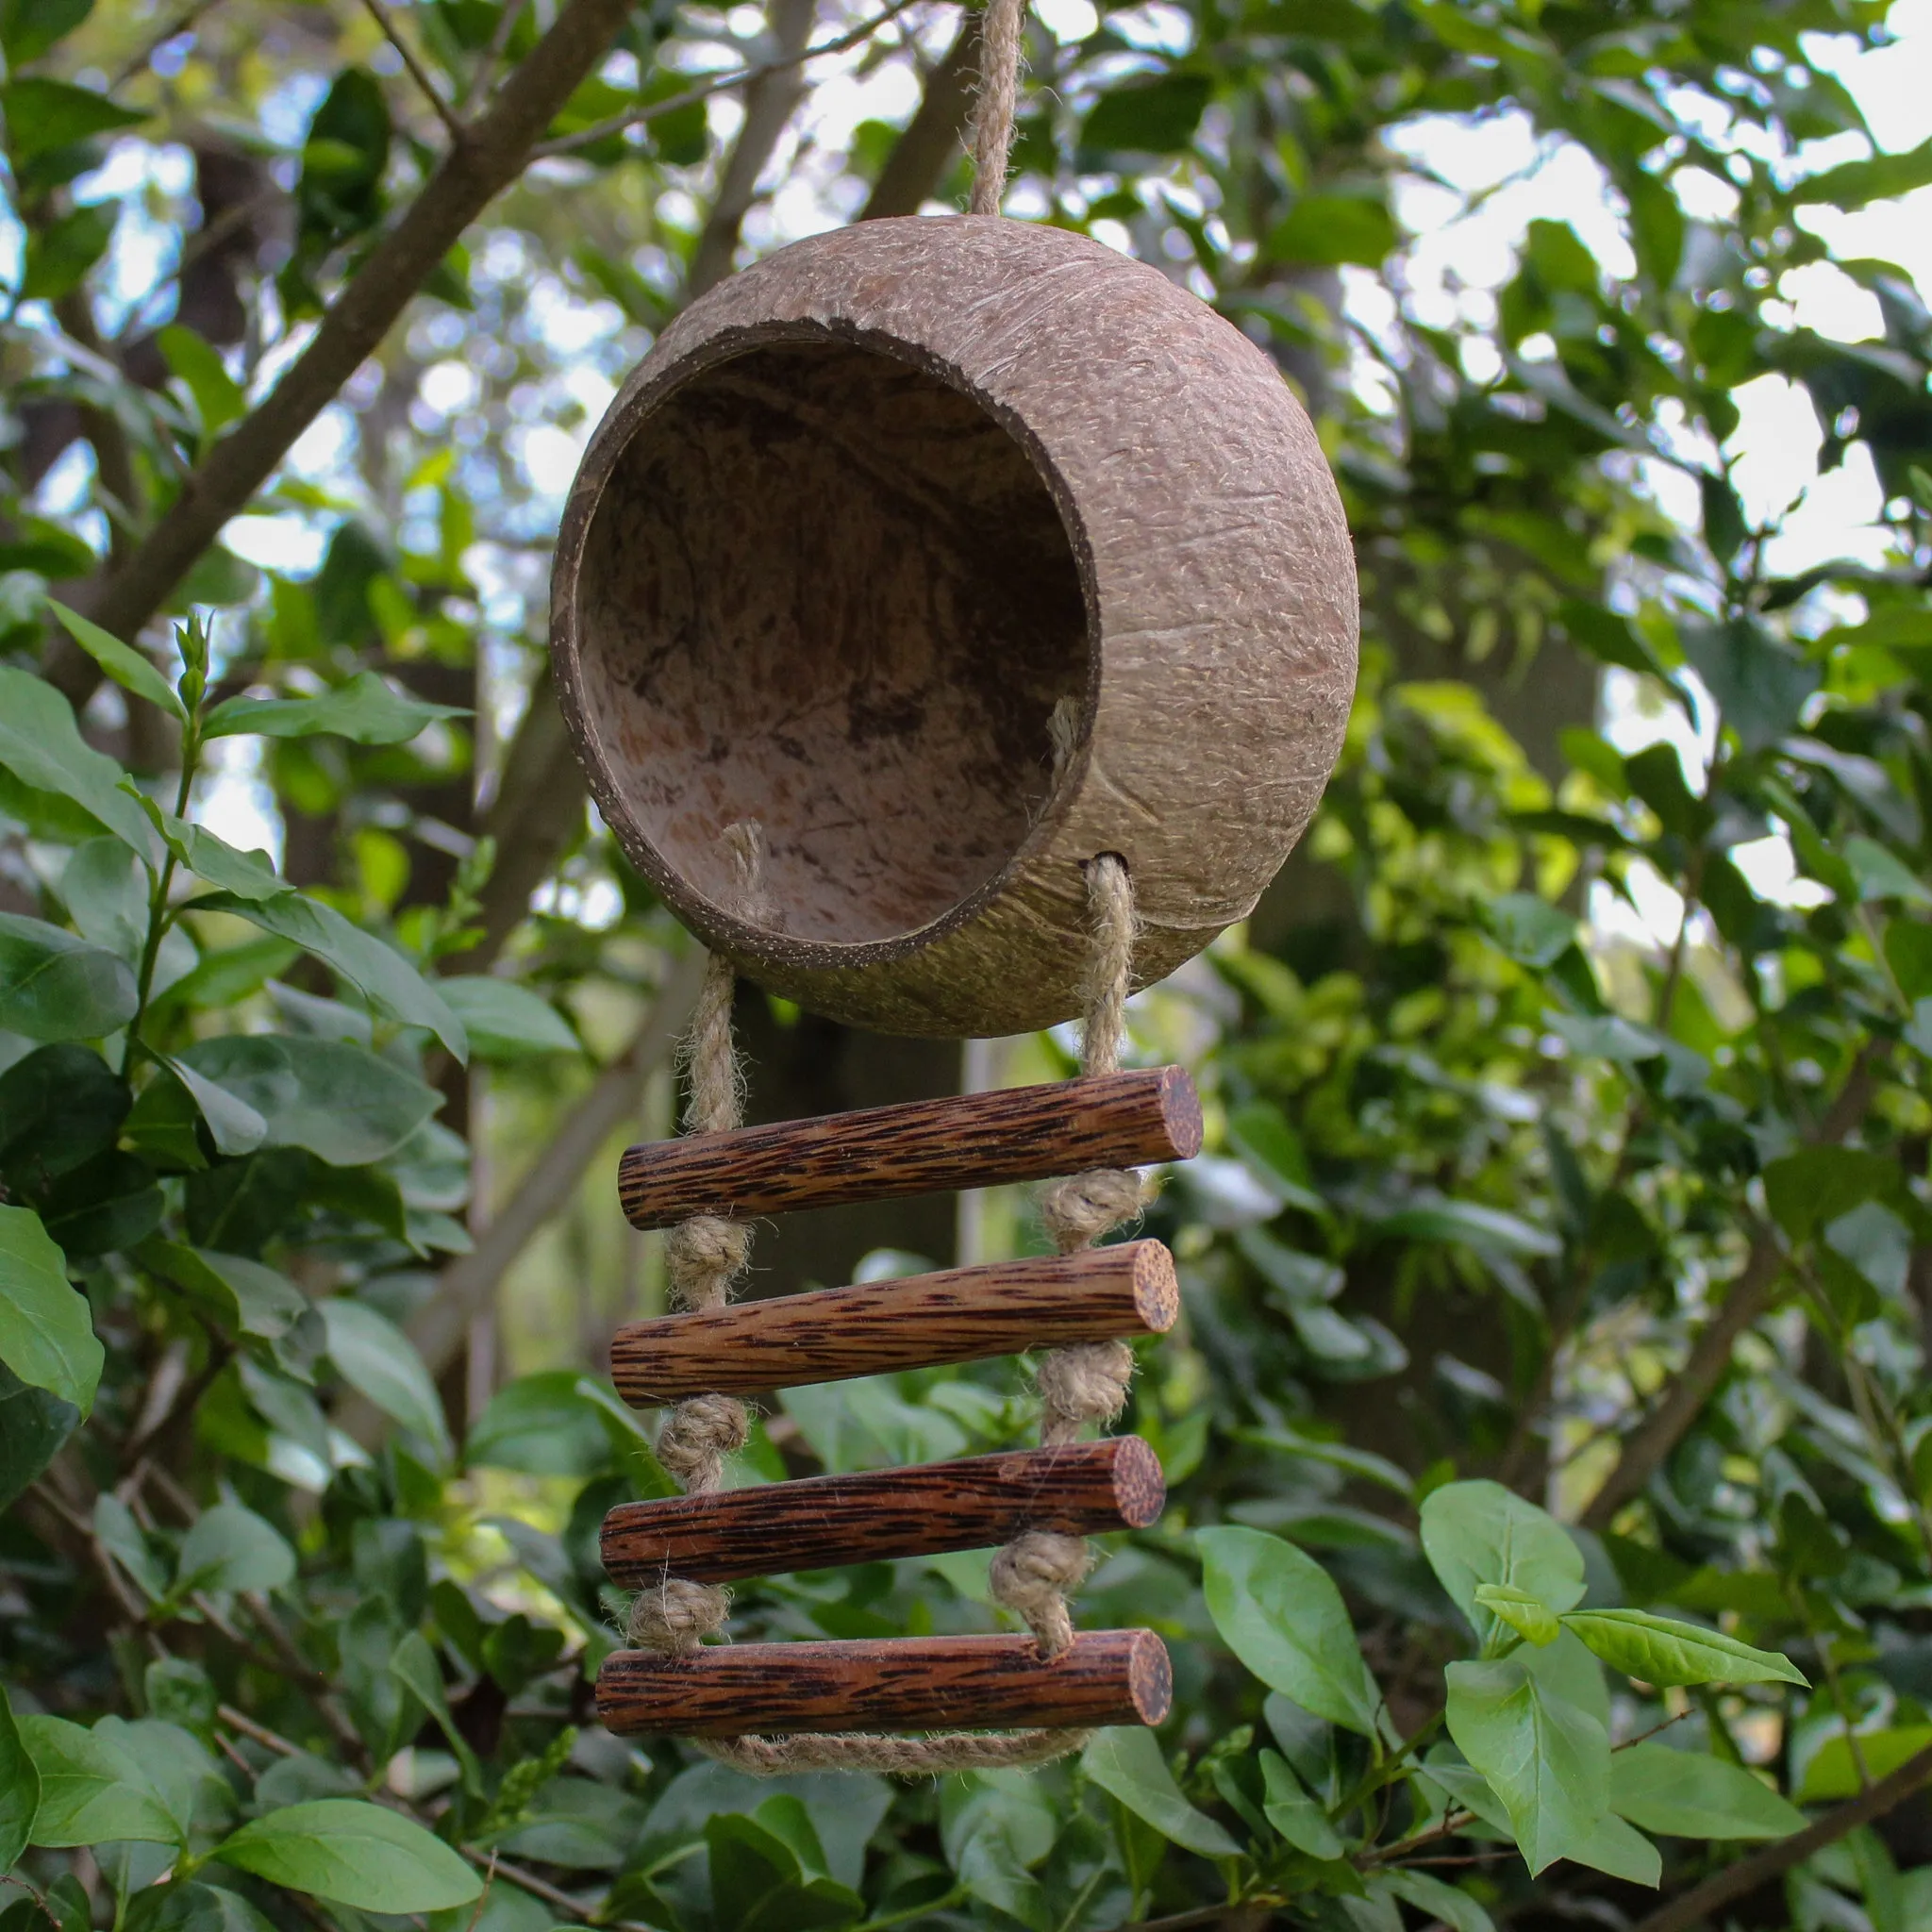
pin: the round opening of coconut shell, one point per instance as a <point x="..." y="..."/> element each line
<point x="824" y="590"/>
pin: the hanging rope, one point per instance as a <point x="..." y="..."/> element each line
<point x="999" y="95"/>
<point x="1087" y="1383"/>
<point x="702" y="1256"/>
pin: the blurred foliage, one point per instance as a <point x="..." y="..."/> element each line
<point x="1547" y="1425"/>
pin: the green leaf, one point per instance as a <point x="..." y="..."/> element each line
<point x="384" y="977"/>
<point x="117" y="1532"/>
<point x="29" y="27"/>
<point x="1880" y="177"/>
<point x="1524" y="1614"/>
<point x="1127" y="1763"/>
<point x="34" y="1425"/>
<point x="995" y="1828"/>
<point x="173" y="1764"/>
<point x="1812" y="1188"/>
<point x="366" y="710"/>
<point x="59" y="1106"/>
<point x="43" y="115"/>
<point x="1612" y="1845"/>
<point x="1692" y="1794"/>
<point x="1147" y="114"/>
<point x="1279" y="1611"/>
<point x="46" y="1333"/>
<point x="1531" y="930"/>
<point x="105" y="888"/>
<point x="1295" y="1815"/>
<point x="91" y="1789"/>
<point x="1548" y="1762"/>
<point x="57" y="259"/>
<point x="414" y="1664"/>
<point x="1260" y="1134"/>
<point x="345" y="1105"/>
<point x="1464" y="1785"/>
<point x="234" y="1125"/>
<point x="1882" y="876"/>
<point x="1612" y="640"/>
<point x="1661" y="1651"/>
<point x="1488" y="1230"/>
<point x="1760" y="684"/>
<point x="55" y="986"/>
<point x="1437" y="1900"/>
<point x="243" y="1295"/>
<point x="380" y="1362"/>
<point x="191" y="1906"/>
<point x="353" y="1853"/>
<point x="20" y="1789"/>
<point x="122" y="662"/>
<point x="219" y="399"/>
<point x="1329" y="231"/>
<point x="542" y="1425"/>
<point x="42" y="746"/>
<point x="505" y="1021"/>
<point x="1833" y="1771"/>
<point x="230" y="1548"/>
<point x="768" y="1869"/>
<point x="247" y="875"/>
<point x="1477" y="1533"/>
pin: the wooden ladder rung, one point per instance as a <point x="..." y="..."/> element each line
<point x="918" y="1321"/>
<point x="888" y="1684"/>
<point x="921" y="1147"/>
<point x="875" y="1516"/>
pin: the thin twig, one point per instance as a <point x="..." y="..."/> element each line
<point x="1735" y="1881"/>
<point x="716" y="84"/>
<point x="459" y="134"/>
<point x="172" y="32"/>
<point x="267" y="1739"/>
<point x="466" y="180"/>
<point x="1204" y="1915"/>
<point x="526" y="1880"/>
<point x="485" y="68"/>
<point x="1651" y="1442"/>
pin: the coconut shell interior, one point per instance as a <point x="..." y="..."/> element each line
<point x="825" y="590"/>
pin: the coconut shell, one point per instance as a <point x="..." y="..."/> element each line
<point x="949" y="553"/>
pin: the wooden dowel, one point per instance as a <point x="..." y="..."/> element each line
<point x="922" y="1147"/>
<point x="875" y="1516"/>
<point x="888" y="1684"/>
<point x="920" y="1321"/>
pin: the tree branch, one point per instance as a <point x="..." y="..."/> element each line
<point x="924" y="150"/>
<point x="538" y="805"/>
<point x="1645" y="1449"/>
<point x="770" y="101"/>
<point x="1778" y="1857"/>
<point x="469" y="177"/>
<point x="718" y="84"/>
<point x="458" y="133"/>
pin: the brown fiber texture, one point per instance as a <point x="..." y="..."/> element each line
<point x="865" y="519"/>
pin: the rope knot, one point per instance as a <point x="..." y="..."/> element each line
<point x="675" y="1616"/>
<point x="702" y="1258"/>
<point x="1087" y="1382"/>
<point x="697" y="1438"/>
<point x="1078" y="1211"/>
<point x="1031" y="1577"/>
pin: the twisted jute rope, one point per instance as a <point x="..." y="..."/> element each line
<point x="999" y="97"/>
<point x="1085" y="1383"/>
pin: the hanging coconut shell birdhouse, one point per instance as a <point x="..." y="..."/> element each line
<point x="958" y="622"/>
<point x="949" y="553"/>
